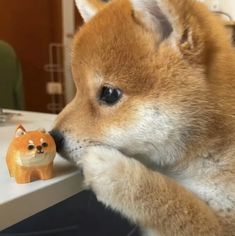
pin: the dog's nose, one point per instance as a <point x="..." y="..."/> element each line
<point x="58" y="138"/>
<point x="39" y="149"/>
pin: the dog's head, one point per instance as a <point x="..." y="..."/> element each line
<point x="141" y="72"/>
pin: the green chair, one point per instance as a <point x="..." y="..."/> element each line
<point x="11" y="89"/>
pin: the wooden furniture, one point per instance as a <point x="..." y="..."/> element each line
<point x="30" y="27"/>
<point x="18" y="202"/>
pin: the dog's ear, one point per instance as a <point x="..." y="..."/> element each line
<point x="20" y="131"/>
<point x="171" y="20"/>
<point x="88" y="8"/>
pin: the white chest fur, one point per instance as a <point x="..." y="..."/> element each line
<point x="214" y="189"/>
<point x="34" y="160"/>
<point x="219" y="197"/>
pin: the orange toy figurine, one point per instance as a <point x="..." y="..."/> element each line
<point x="30" y="155"/>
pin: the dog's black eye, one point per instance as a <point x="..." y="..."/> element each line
<point x="30" y="147"/>
<point x="110" y="95"/>
<point x="44" y="144"/>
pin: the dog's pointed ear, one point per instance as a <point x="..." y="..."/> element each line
<point x="88" y="8"/>
<point x="170" y="19"/>
<point x="152" y="17"/>
<point x="20" y="131"/>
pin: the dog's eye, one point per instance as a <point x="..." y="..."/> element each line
<point x="45" y="144"/>
<point x="30" y="147"/>
<point x="110" y="95"/>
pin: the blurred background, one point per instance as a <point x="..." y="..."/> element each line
<point x="35" y="39"/>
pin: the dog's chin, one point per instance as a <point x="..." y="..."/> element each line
<point x="144" y="158"/>
<point x="73" y="156"/>
<point x="73" y="151"/>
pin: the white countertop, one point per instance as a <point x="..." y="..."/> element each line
<point x="20" y="201"/>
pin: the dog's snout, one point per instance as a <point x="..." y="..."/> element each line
<point x="58" y="138"/>
<point x="39" y="148"/>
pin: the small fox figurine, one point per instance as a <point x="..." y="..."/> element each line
<point x="30" y="155"/>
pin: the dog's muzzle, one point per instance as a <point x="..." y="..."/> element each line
<point x="58" y="138"/>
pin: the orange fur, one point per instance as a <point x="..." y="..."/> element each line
<point x="176" y="116"/>
<point x="26" y="165"/>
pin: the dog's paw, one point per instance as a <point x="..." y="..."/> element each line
<point x="103" y="170"/>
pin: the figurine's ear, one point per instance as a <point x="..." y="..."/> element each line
<point x="20" y="131"/>
<point x="42" y="130"/>
<point x="88" y="8"/>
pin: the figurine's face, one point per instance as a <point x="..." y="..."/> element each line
<point x="34" y="148"/>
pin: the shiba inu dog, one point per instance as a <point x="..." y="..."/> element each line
<point x="153" y="121"/>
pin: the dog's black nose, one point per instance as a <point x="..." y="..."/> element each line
<point x="39" y="148"/>
<point x="58" y="138"/>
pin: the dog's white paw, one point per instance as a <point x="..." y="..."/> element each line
<point x="103" y="170"/>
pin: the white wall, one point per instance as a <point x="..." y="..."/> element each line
<point x="227" y="6"/>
